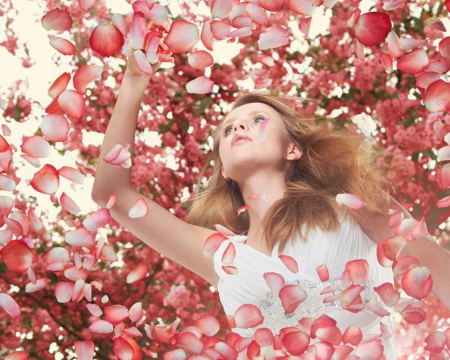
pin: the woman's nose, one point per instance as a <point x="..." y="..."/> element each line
<point x="239" y="125"/>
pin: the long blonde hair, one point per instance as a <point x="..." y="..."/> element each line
<point x="333" y="162"/>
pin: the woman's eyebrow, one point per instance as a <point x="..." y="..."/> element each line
<point x="248" y="114"/>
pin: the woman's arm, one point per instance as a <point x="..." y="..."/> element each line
<point x="426" y="249"/>
<point x="173" y="238"/>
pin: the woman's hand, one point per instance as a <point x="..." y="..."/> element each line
<point x="133" y="69"/>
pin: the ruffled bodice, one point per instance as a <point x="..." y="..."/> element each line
<point x="335" y="249"/>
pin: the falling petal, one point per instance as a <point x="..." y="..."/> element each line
<point x="111" y="201"/>
<point x="189" y="343"/>
<point x="5" y="129"/>
<point x="6" y="183"/>
<point x="115" y="314"/>
<point x="257" y="14"/>
<point x="242" y="209"/>
<point x="223" y="230"/>
<point x="276" y="36"/>
<point x="72" y="174"/>
<point x="9" y="305"/>
<point x="410" y="43"/>
<point x="64" y="46"/>
<point x="36" y="146"/>
<point x="97" y="219"/>
<point x="405" y="264"/>
<point x="72" y="103"/>
<point x="17" y="355"/>
<point x="212" y="243"/>
<point x="106" y="40"/>
<point x="80" y="237"/>
<point x="136" y="312"/>
<point x="119" y="22"/>
<point x="200" y="85"/>
<point x="137" y="32"/>
<point x="419" y="230"/>
<point x="376" y="308"/>
<point x="289" y="262"/>
<point x="396" y="219"/>
<point x="63" y="291"/>
<point x="425" y="79"/>
<point x="374" y="348"/>
<point x="46" y="180"/>
<point x="417" y="282"/>
<point x="138" y="273"/>
<point x="291" y="297"/>
<point x="119" y="156"/>
<point x="350" y="298"/>
<point x="69" y="204"/>
<point x="436" y="341"/>
<point x="85" y="75"/>
<point x="208" y="325"/>
<point x="57" y="19"/>
<point x="394" y="4"/>
<point x="372" y="28"/>
<point x="230" y="269"/>
<point x="443" y="153"/>
<point x="207" y="36"/>
<point x="17" y="256"/>
<point x="248" y="316"/>
<point x="350" y="200"/>
<point x="55" y="127"/>
<point x="323" y="273"/>
<point x="229" y="254"/>
<point x="393" y="45"/>
<point x="140" y="209"/>
<point x="222" y="8"/>
<point x="200" y="59"/>
<point x="84" y="349"/>
<point x="257" y="196"/>
<point x="413" y="315"/>
<point x="392" y="246"/>
<point x="182" y="36"/>
<point x="444" y="179"/>
<point x="353" y="17"/>
<point x="107" y="253"/>
<point x="263" y="129"/>
<point x="296" y="342"/>
<point x="59" y="85"/>
<point x="101" y="326"/>
<point x="352" y="335"/>
<point x="414" y="62"/>
<point x="435" y="23"/>
<point x="305" y="25"/>
<point x="302" y="7"/>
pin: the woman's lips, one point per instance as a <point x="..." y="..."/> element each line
<point x="238" y="138"/>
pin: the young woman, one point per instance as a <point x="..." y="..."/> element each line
<point x="288" y="172"/>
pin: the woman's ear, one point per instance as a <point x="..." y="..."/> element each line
<point x="294" y="152"/>
<point x="225" y="176"/>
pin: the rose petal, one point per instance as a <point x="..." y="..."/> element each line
<point x="85" y="75"/>
<point x="182" y="36"/>
<point x="248" y="316"/>
<point x="302" y="7"/>
<point x="372" y="28"/>
<point x="350" y="200"/>
<point x="276" y="36"/>
<point x="140" y="209"/>
<point x="289" y="262"/>
<point x="9" y="305"/>
<point x="138" y="273"/>
<point x="55" y="127"/>
<point x="57" y="19"/>
<point x="414" y="62"/>
<point x="200" y="85"/>
<point x="59" y="85"/>
<point x="291" y="297"/>
<point x="106" y="40"/>
<point x="64" y="46"/>
<point x="72" y="103"/>
<point x="417" y="282"/>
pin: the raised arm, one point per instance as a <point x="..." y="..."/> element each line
<point x="426" y="249"/>
<point x="173" y="238"/>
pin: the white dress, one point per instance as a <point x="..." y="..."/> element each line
<point x="335" y="249"/>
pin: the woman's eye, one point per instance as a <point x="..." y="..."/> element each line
<point x="227" y="130"/>
<point x="258" y="119"/>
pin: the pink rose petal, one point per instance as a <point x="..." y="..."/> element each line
<point x="207" y="36"/>
<point x="106" y="40"/>
<point x="138" y="273"/>
<point x="80" y="237"/>
<point x="248" y="316"/>
<point x="59" y="85"/>
<point x="208" y="325"/>
<point x="323" y="273"/>
<point x="57" y="19"/>
<point x="36" y="146"/>
<point x="350" y="200"/>
<point x="140" y="209"/>
<point x="85" y="75"/>
<point x="414" y="62"/>
<point x="200" y="85"/>
<point x="302" y="7"/>
<point x="9" y="305"/>
<point x="437" y="96"/>
<point x="72" y="103"/>
<point x="119" y="156"/>
<point x="55" y="127"/>
<point x="229" y="254"/>
<point x="289" y="262"/>
<point x="372" y="28"/>
<point x="417" y="282"/>
<point x="84" y="349"/>
<point x="46" y="180"/>
<point x="352" y="335"/>
<point x="64" y="46"/>
<point x="276" y="36"/>
<point x="182" y="36"/>
<point x="291" y="297"/>
<point x="97" y="219"/>
<point x="101" y="326"/>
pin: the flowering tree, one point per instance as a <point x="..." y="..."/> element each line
<point x="57" y="282"/>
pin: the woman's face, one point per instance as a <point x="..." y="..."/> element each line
<point x="253" y="137"/>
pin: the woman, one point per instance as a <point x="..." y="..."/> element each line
<point x="289" y="174"/>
